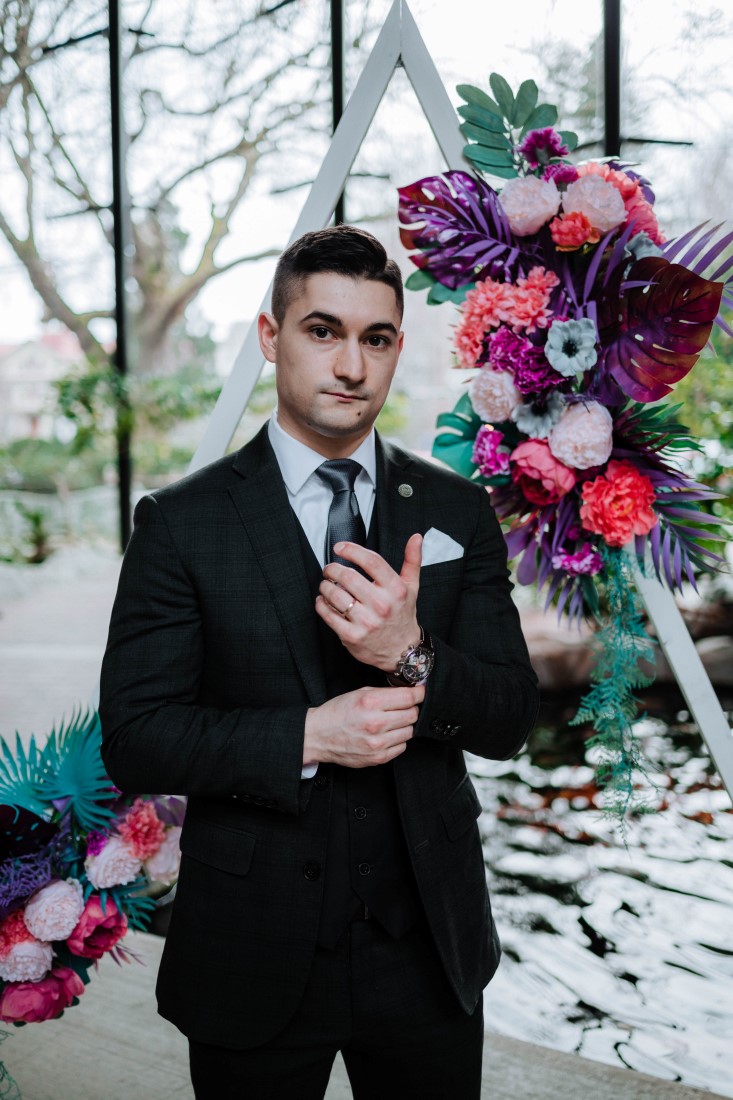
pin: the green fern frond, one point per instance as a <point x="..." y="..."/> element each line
<point x="20" y="777"/>
<point x="73" y="769"/>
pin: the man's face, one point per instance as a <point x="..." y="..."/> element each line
<point x="335" y="354"/>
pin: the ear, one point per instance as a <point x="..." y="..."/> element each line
<point x="267" y="330"/>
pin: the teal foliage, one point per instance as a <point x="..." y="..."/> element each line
<point x="72" y="769"/>
<point x="610" y="705"/>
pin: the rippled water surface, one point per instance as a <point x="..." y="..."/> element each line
<point x="623" y="955"/>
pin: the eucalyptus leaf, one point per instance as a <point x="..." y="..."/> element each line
<point x="475" y="95"/>
<point x="505" y="172"/>
<point x="419" y="280"/>
<point x="502" y="94"/>
<point x="570" y="138"/>
<point x="481" y="117"/>
<point x="440" y="293"/>
<point x="525" y="102"/>
<point x="485" y="137"/>
<point x="498" y="158"/>
<point x="544" y="115"/>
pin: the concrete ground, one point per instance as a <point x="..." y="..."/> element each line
<point x="53" y="627"/>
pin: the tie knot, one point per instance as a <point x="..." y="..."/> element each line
<point x="339" y="474"/>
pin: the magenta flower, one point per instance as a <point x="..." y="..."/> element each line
<point x="488" y="454"/>
<point x="532" y="372"/>
<point x="540" y="146"/>
<point x="560" y="173"/>
<point x="584" y="562"/>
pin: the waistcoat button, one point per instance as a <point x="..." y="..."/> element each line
<point x="360" y="813"/>
<point x="312" y="871"/>
<point x="364" y="869"/>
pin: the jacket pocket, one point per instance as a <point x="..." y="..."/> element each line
<point x="219" y="846"/>
<point x="460" y="809"/>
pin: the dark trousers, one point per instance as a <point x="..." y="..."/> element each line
<point x="386" y="1005"/>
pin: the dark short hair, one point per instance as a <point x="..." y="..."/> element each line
<point x="341" y="249"/>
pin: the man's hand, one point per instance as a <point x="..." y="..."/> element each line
<point x="375" y="621"/>
<point x="362" y="728"/>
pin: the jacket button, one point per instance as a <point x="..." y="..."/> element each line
<point x="312" y="871"/>
<point x="365" y="869"/>
<point x="258" y="800"/>
<point x="360" y="813"/>
<point x="269" y="803"/>
<point x="439" y="726"/>
<point x="321" y="781"/>
<point x="455" y="730"/>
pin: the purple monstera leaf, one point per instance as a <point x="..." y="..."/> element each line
<point x="460" y="228"/>
<point x="654" y="326"/>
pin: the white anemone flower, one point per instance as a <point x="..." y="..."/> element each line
<point x="537" y="418"/>
<point x="571" y="346"/>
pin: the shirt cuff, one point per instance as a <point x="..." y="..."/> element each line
<point x="309" y="770"/>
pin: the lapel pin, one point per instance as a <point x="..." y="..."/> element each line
<point x="405" y="490"/>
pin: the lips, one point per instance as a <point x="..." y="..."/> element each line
<point x="346" y="398"/>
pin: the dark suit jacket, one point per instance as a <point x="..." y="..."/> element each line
<point x="211" y="665"/>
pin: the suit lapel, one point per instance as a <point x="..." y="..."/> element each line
<point x="261" y="500"/>
<point x="399" y="502"/>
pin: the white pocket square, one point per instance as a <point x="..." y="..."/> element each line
<point x="438" y="547"/>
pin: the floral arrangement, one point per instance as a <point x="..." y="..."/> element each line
<point x="78" y="864"/>
<point x="577" y="317"/>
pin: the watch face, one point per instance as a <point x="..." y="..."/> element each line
<point x="417" y="665"/>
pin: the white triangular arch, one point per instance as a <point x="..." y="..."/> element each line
<point x="400" y="43"/>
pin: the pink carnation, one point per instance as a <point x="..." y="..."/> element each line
<point x="494" y="395"/>
<point x="141" y="829"/>
<point x="560" y="173"/>
<point x="484" y="308"/>
<point x="115" y="865"/>
<point x="529" y="203"/>
<point x="163" y="865"/>
<point x="539" y="146"/>
<point x="488" y="454"/>
<point x="536" y="471"/>
<point x="34" y="1002"/>
<point x="618" y="504"/>
<point x="583" y="436"/>
<point x="585" y="562"/>
<point x="598" y="199"/>
<point x="27" y="961"/>
<point x="53" y="912"/>
<point x="532" y="373"/>
<point x="99" y="929"/>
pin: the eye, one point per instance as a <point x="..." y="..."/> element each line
<point x="374" y="340"/>
<point x="320" y="332"/>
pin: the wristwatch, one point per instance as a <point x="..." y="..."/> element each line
<point x="415" y="664"/>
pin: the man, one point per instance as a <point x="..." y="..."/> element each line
<point x="278" y="653"/>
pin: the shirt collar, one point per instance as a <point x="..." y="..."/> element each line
<point x="298" y="462"/>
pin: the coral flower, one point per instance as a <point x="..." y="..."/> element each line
<point x="625" y="185"/>
<point x="618" y="504"/>
<point x="141" y="829"/>
<point x="98" y="930"/>
<point x="642" y="219"/>
<point x="485" y="308"/>
<point x="571" y="231"/>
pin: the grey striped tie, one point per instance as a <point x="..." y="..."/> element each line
<point x="345" y="523"/>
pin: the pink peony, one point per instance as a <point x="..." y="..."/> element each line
<point x="34" y="1002"/>
<point x="494" y="395"/>
<point x="484" y="308"/>
<point x="53" y="912"/>
<point x="26" y="962"/>
<point x="115" y="865"/>
<point x="529" y="203"/>
<point x="642" y="218"/>
<point x="541" y="478"/>
<point x="598" y="199"/>
<point x="163" y="865"/>
<point x="13" y="930"/>
<point x="583" y="436"/>
<point x="98" y="929"/>
<point x="488" y="454"/>
<point x="539" y="146"/>
<point x="141" y="829"/>
<point x="618" y="504"/>
<point x="571" y="231"/>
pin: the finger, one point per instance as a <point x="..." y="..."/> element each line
<point x="348" y="579"/>
<point x="372" y="563"/>
<point x="339" y="598"/>
<point x="341" y="626"/>
<point x="410" y="571"/>
<point x="397" y="698"/>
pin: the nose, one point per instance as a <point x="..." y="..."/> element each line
<point x="350" y="362"/>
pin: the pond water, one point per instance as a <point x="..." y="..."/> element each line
<point x="622" y="954"/>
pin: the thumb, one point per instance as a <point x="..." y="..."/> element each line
<point x="410" y="571"/>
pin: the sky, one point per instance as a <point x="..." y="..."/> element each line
<point x="467" y="39"/>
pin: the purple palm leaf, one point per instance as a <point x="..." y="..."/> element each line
<point x="655" y="325"/>
<point x="460" y="225"/>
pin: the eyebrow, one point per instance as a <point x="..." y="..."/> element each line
<point x="330" y="319"/>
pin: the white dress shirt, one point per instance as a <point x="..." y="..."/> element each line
<point x="311" y="498"/>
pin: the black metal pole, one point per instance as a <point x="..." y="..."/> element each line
<point x="120" y="211"/>
<point x="337" y="85"/>
<point x="612" y="78"/>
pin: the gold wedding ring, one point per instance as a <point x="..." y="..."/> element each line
<point x="348" y="609"/>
